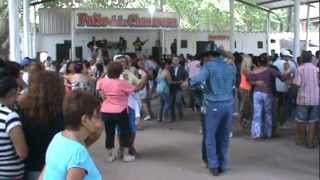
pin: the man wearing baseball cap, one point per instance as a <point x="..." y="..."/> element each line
<point x="283" y="87"/>
<point x="25" y="62"/>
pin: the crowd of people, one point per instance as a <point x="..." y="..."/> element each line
<point x="45" y="108"/>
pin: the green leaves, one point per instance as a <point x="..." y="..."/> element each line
<point x="195" y="14"/>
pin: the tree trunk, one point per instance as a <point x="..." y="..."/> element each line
<point x="4" y="32"/>
<point x="4" y="42"/>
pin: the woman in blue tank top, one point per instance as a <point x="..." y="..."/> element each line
<point x="164" y="79"/>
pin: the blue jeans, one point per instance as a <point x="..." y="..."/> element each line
<point x="218" y="122"/>
<point x="132" y="122"/>
<point x="203" y="148"/>
<point x="165" y="102"/>
<point x="33" y="175"/>
<point x="262" y="103"/>
<point x="176" y="102"/>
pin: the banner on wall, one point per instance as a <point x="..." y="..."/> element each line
<point x="217" y="37"/>
<point x="124" y="19"/>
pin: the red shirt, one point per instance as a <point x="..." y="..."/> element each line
<point x="245" y="83"/>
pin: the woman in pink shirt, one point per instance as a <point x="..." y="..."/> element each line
<point x="114" y="109"/>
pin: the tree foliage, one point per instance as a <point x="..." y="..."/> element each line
<point x="195" y="14"/>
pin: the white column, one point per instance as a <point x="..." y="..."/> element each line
<point x="26" y="28"/>
<point x="268" y="34"/>
<point x="307" y="27"/>
<point x="232" y="25"/>
<point x="296" y="49"/>
<point x="161" y="5"/>
<point x="33" y="43"/>
<point x="179" y="39"/>
<point x="162" y="42"/>
<point x="73" y="53"/>
<point x="13" y="6"/>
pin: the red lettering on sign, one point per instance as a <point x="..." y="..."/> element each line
<point x="218" y="37"/>
<point x="133" y="20"/>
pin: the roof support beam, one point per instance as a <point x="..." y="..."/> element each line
<point x="40" y="2"/>
<point x="253" y="5"/>
<point x="288" y="6"/>
<point x="268" y="2"/>
<point x="232" y="26"/>
<point x="296" y="42"/>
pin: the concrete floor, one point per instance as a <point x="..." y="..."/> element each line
<point x="172" y="152"/>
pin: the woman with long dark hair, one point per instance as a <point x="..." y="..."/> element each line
<point x="42" y="117"/>
<point x="262" y="80"/>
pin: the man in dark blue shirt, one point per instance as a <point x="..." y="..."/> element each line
<point x="179" y="75"/>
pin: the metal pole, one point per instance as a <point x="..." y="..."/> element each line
<point x="34" y="38"/>
<point x="161" y="5"/>
<point x="73" y="54"/>
<point x="179" y="38"/>
<point x="296" y="52"/>
<point x="178" y="41"/>
<point x="14" y="30"/>
<point x="307" y="28"/>
<point x="268" y="34"/>
<point x="26" y="28"/>
<point x="162" y="43"/>
<point x="232" y="25"/>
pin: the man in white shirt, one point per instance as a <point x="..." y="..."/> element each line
<point x="283" y="88"/>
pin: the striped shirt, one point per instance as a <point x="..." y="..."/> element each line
<point x="11" y="166"/>
<point x="307" y="79"/>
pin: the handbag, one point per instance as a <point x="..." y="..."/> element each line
<point x="162" y="88"/>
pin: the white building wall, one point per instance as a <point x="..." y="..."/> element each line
<point x="48" y="42"/>
<point x="246" y="42"/>
<point x="84" y="36"/>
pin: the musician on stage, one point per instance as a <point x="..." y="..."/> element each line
<point x="122" y="45"/>
<point x="92" y="45"/>
<point x="104" y="49"/>
<point x="138" y="44"/>
<point x="173" y="47"/>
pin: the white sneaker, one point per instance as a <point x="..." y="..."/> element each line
<point x="120" y="153"/>
<point x="127" y="157"/>
<point x="231" y="135"/>
<point x="285" y="126"/>
<point x="111" y="155"/>
<point x="204" y="164"/>
<point x="147" y="118"/>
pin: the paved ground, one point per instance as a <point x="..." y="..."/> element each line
<point x="172" y="152"/>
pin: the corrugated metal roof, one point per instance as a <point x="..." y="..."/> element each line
<point x="55" y="21"/>
<point x="279" y="4"/>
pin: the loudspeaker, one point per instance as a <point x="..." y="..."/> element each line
<point x="79" y="52"/>
<point x="62" y="51"/>
<point x="67" y="43"/>
<point x="205" y="46"/>
<point x="156" y="53"/>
